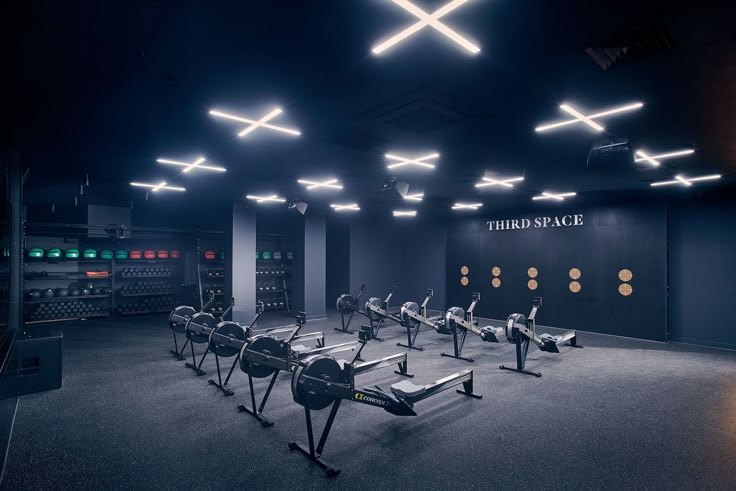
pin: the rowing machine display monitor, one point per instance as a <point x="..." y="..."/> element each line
<point x="459" y="322"/>
<point x="521" y="331"/>
<point x="321" y="381"/>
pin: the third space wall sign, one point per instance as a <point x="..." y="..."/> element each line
<point x="580" y="261"/>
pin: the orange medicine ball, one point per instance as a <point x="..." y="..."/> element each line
<point x="135" y="254"/>
<point x="210" y="255"/>
<point x="175" y="254"/>
<point x="149" y="254"/>
<point x="162" y="254"/>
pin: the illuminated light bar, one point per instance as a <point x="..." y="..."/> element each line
<point x="554" y="196"/>
<point x="345" y="207"/>
<point x="330" y="183"/>
<point x="274" y="198"/>
<point x="487" y="181"/>
<point x="157" y="187"/>
<point x="418" y="161"/>
<point x="425" y="20"/>
<point x="405" y="213"/>
<point x="261" y="123"/>
<point x="197" y="164"/>
<point x="654" y="159"/>
<point x="581" y="118"/>
<point x="466" y="206"/>
<point x="686" y="181"/>
<point x="414" y="197"/>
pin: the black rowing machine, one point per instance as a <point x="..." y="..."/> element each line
<point x="459" y="322"/>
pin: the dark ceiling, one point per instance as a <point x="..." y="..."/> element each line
<point x="104" y="88"/>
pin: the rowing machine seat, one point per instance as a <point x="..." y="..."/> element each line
<point x="343" y="363"/>
<point x="299" y="348"/>
<point x="492" y="334"/>
<point x="407" y="389"/>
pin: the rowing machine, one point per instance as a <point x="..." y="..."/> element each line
<point x="521" y="331"/>
<point x="348" y="305"/>
<point x="377" y="311"/>
<point x="456" y="319"/>
<point x="413" y="317"/>
<point x="177" y="322"/>
<point x="321" y="381"/>
<point x="198" y="329"/>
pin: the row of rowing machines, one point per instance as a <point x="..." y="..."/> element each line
<point x="519" y="330"/>
<point x="318" y="379"/>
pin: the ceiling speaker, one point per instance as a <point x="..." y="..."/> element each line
<point x="298" y="207"/>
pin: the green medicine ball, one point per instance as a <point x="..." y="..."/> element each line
<point x="121" y="254"/>
<point x="90" y="254"/>
<point x="72" y="253"/>
<point x="106" y="254"/>
<point x="6" y="252"/>
<point x="222" y="255"/>
<point x="266" y="255"/>
<point x="35" y="253"/>
<point x="53" y="253"/>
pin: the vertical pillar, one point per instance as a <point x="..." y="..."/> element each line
<point x="15" y="266"/>
<point x="241" y="259"/>
<point x="315" y="266"/>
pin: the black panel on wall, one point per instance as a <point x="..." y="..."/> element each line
<point x="609" y="240"/>
<point x="702" y="274"/>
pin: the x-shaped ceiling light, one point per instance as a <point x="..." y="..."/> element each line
<point x="197" y="164"/>
<point x="405" y="213"/>
<point x="589" y="120"/>
<point x="554" y="196"/>
<point x="686" y="181"/>
<point x="273" y="198"/>
<point x="414" y="197"/>
<point x="425" y="20"/>
<point x="345" y="207"/>
<point x="417" y="161"/>
<point x="330" y="183"/>
<point x="260" y="123"/>
<point x="642" y="156"/>
<point x="466" y="206"/>
<point x="507" y="183"/>
<point x="157" y="187"/>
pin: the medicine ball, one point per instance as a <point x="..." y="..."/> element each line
<point x="74" y="291"/>
<point x="84" y="291"/>
<point x="90" y="254"/>
<point x="96" y="291"/>
<point x="175" y="254"/>
<point x="222" y="255"/>
<point x="289" y="255"/>
<point x="35" y="253"/>
<point x="72" y="253"/>
<point x="136" y="254"/>
<point x="267" y="255"/>
<point x="89" y="285"/>
<point x="149" y="254"/>
<point x="53" y="253"/>
<point x="107" y="290"/>
<point x="121" y="254"/>
<point x="277" y="255"/>
<point x="6" y="252"/>
<point x="48" y="292"/>
<point x="162" y="254"/>
<point x="61" y="292"/>
<point x="210" y="255"/>
<point x="34" y="293"/>
<point x="258" y="255"/>
<point x="106" y="254"/>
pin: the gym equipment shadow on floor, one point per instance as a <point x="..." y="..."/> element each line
<point x="620" y="413"/>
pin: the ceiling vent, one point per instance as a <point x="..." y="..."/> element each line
<point x="632" y="46"/>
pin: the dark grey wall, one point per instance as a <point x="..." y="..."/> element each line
<point x="611" y="239"/>
<point x="702" y="274"/>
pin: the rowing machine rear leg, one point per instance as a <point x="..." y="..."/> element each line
<point x="404" y="370"/>
<point x="467" y="390"/>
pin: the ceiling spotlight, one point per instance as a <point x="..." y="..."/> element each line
<point x="261" y="123"/>
<point x="157" y="187"/>
<point x="466" y="206"/>
<point x="197" y="164"/>
<point x="554" y="196"/>
<point x="655" y="159"/>
<point x="581" y="118"/>
<point x="297" y="207"/>
<point x="274" y="198"/>
<point x="405" y="213"/>
<point x="414" y="197"/>
<point x="393" y="183"/>
<point x="487" y="181"/>
<point x="345" y="207"/>
<point x="425" y="20"/>
<point x="418" y="161"/>
<point x="686" y="181"/>
<point x="330" y="183"/>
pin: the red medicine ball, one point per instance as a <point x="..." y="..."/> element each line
<point x="149" y="254"/>
<point x="162" y="254"/>
<point x="175" y="254"/>
<point x="135" y="254"/>
<point x="210" y="255"/>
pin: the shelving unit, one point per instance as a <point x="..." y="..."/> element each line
<point x="211" y="277"/>
<point x="273" y="275"/>
<point x="147" y="286"/>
